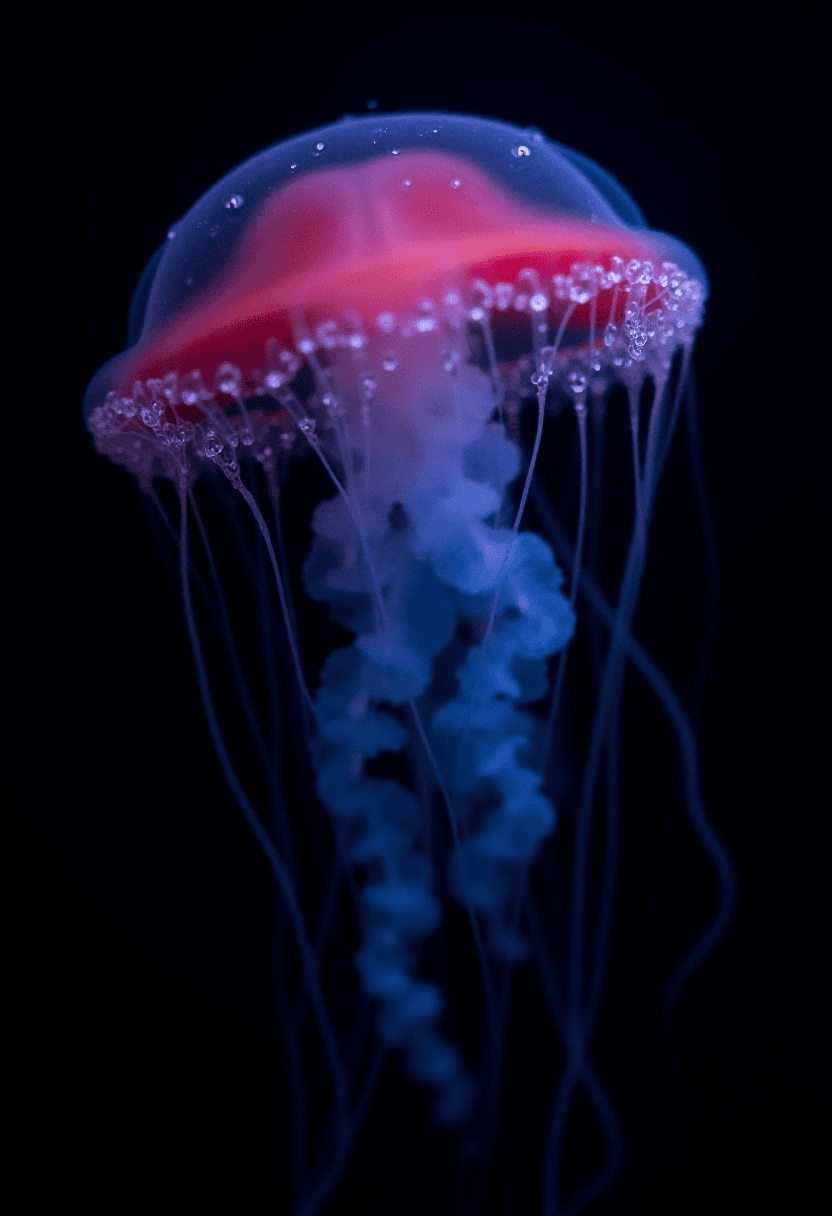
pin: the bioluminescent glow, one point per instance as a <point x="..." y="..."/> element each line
<point x="411" y="335"/>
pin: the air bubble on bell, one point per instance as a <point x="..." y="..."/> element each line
<point x="319" y="148"/>
<point x="213" y="444"/>
<point x="485" y="293"/>
<point x="234" y="203"/>
<point x="456" y="183"/>
<point x="154" y="388"/>
<point x="426" y="322"/>
<point x="521" y="150"/>
<point x="170" y="388"/>
<point x="192" y="388"/>
<point x="327" y="334"/>
<point x="228" y="380"/>
<point x="503" y="296"/>
<point x="579" y="293"/>
<point x="616" y="271"/>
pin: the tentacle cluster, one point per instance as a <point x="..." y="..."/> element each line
<point x="446" y="572"/>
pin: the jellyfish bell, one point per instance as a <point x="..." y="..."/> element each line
<point x="383" y="295"/>
<point x="370" y="230"/>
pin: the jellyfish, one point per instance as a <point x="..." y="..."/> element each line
<point x="368" y="385"/>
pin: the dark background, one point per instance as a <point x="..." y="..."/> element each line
<point x="138" y="905"/>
